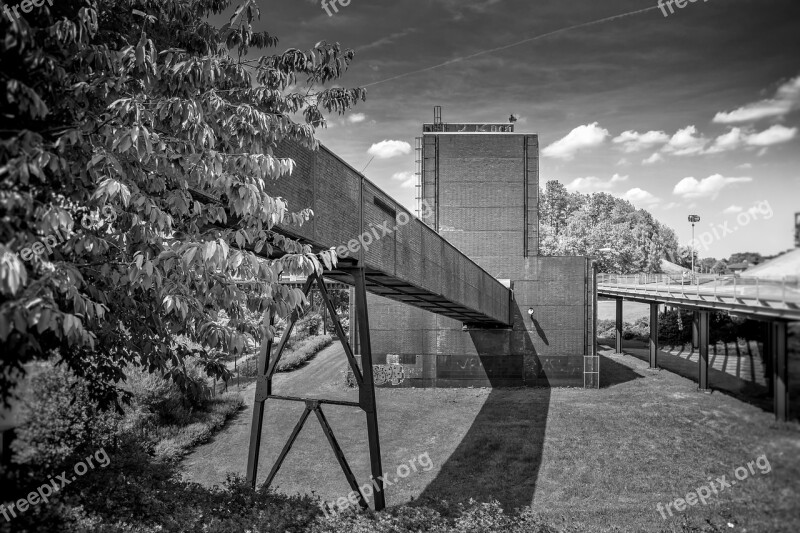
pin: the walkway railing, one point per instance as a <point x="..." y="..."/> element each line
<point x="786" y="290"/>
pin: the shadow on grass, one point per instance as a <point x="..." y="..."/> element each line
<point x="723" y="382"/>
<point x="614" y="373"/>
<point x="500" y="455"/>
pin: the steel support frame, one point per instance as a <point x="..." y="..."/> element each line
<point x="266" y="370"/>
<point x="654" y="335"/>
<point x="766" y="358"/>
<point x="702" y="324"/>
<point x="780" y="369"/>
<point x="619" y="326"/>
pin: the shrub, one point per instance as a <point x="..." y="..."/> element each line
<point x="133" y="495"/>
<point x="303" y="352"/>
<point x="171" y="442"/>
<point x="675" y="327"/>
<point x="60" y="421"/>
<point x="308" y="326"/>
<point x="474" y="517"/>
<point x="606" y="329"/>
<point x="293" y="357"/>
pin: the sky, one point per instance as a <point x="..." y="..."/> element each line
<point x="693" y="113"/>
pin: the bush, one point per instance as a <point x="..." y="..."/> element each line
<point x="308" y="326"/>
<point x="303" y="352"/>
<point x="475" y="517"/>
<point x="171" y="442"/>
<point x="61" y="423"/>
<point x="675" y="327"/>
<point x="137" y="495"/>
<point x="606" y="329"/>
<point x="293" y="357"/>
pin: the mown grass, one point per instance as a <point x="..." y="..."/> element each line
<point x="585" y="460"/>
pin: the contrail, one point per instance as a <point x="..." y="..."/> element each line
<point x="505" y="47"/>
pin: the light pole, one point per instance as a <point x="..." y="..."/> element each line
<point x="693" y="219"/>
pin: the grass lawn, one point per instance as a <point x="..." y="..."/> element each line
<point x="597" y="460"/>
<point x="173" y="441"/>
<point x="631" y="311"/>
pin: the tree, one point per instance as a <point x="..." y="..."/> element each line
<point x="683" y="257"/>
<point x="750" y="257"/>
<point x="707" y="263"/>
<point x="577" y="224"/>
<point x="143" y="110"/>
<point x="555" y="206"/>
<point x="720" y="267"/>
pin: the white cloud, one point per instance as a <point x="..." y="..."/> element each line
<point x="728" y="141"/>
<point x="639" y="196"/>
<point x="582" y="137"/>
<point x="707" y="187"/>
<point x="686" y="142"/>
<point x="355" y="118"/>
<point x="733" y="210"/>
<point x="745" y="165"/>
<point x="738" y="137"/>
<point x="633" y="141"/>
<point x="775" y="135"/>
<point x="653" y="159"/>
<point x="786" y="99"/>
<point x="672" y="205"/>
<point x="623" y="162"/>
<point x="408" y="179"/>
<point x="593" y="184"/>
<point x="389" y="149"/>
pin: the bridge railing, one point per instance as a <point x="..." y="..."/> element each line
<point x="785" y="290"/>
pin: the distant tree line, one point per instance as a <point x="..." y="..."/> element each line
<point x="621" y="237"/>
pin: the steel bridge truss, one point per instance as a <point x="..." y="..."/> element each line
<point x="267" y="366"/>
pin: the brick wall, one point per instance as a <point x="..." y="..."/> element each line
<point x="486" y="191"/>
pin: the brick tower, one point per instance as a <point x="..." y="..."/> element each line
<point x="479" y="189"/>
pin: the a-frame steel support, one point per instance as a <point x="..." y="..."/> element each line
<point x="701" y="324"/>
<point x="266" y="370"/>
<point x="654" y="335"/>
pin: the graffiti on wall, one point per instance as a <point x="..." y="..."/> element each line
<point x="392" y="373"/>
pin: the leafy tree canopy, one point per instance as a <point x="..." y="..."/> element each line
<point x="750" y="257"/>
<point x="143" y="136"/>
<point x="622" y="238"/>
